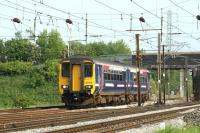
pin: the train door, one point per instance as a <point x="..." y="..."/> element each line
<point x="128" y="81"/>
<point x="101" y="79"/>
<point x="76" y="77"/>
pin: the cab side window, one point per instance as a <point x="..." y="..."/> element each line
<point x="65" y="69"/>
<point x="88" y="69"/>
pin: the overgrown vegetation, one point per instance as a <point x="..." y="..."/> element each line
<point x="15" y="67"/>
<point x="172" y="83"/>
<point x="179" y="130"/>
<point x="31" y="89"/>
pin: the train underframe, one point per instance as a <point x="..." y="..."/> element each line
<point x="84" y="99"/>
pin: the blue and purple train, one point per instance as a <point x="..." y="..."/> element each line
<point x="86" y="81"/>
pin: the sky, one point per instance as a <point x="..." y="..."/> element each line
<point x="108" y="20"/>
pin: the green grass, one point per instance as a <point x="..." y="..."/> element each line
<point x="178" y="130"/>
<point x="16" y="92"/>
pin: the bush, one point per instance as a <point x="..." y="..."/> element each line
<point x="41" y="74"/>
<point x="22" y="101"/>
<point x="51" y="70"/>
<point x="15" y="91"/>
<point x="15" y="67"/>
<point x="36" y="76"/>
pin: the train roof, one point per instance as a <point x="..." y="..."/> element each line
<point x="114" y="65"/>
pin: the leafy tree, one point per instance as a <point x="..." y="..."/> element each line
<point x="77" y="48"/>
<point x="20" y="49"/>
<point x="96" y="49"/>
<point x="51" y="45"/>
<point x="118" y="47"/>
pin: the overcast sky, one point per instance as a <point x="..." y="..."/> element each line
<point x="108" y="20"/>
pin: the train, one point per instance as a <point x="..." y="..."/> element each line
<point x="86" y="81"/>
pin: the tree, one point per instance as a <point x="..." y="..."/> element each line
<point x="118" y="47"/>
<point x="20" y="49"/>
<point x="96" y="49"/>
<point x="51" y="45"/>
<point x="78" y="48"/>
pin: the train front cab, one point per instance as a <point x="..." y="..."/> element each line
<point x="76" y="81"/>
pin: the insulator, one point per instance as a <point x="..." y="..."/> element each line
<point x="69" y="21"/>
<point x="198" y="17"/>
<point x="142" y="19"/>
<point x="16" y="20"/>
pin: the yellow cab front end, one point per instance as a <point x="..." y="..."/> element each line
<point x="76" y="80"/>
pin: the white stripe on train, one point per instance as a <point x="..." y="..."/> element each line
<point x="109" y="85"/>
<point x="120" y="85"/>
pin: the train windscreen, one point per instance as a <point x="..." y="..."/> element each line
<point x="65" y="69"/>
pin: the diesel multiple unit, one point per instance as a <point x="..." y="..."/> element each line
<point x="85" y="81"/>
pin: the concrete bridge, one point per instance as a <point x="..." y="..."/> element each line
<point x="172" y="60"/>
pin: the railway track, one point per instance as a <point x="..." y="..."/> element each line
<point x="29" y="109"/>
<point x="116" y="125"/>
<point x="52" y="117"/>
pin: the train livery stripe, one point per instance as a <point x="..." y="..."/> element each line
<point x="134" y="85"/>
<point x="97" y="85"/>
<point x="143" y="86"/>
<point x="120" y="85"/>
<point x="109" y="85"/>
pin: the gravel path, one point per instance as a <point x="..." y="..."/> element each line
<point x="149" y="128"/>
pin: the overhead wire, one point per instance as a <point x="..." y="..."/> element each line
<point x="94" y="24"/>
<point x="163" y="20"/>
<point x="157" y="16"/>
<point x="122" y="13"/>
<point x="11" y="17"/>
<point x="102" y="26"/>
<point x="32" y="11"/>
<point x="182" y="8"/>
<point x="91" y="23"/>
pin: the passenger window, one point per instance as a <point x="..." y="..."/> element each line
<point x="142" y="79"/>
<point x="109" y="77"/>
<point x="65" y="69"/>
<point x="115" y="77"/>
<point x="105" y="76"/>
<point x="120" y="77"/>
<point x="88" y="69"/>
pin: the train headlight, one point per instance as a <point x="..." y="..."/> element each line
<point x="65" y="86"/>
<point x="88" y="87"/>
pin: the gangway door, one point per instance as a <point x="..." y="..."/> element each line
<point x="76" y="78"/>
